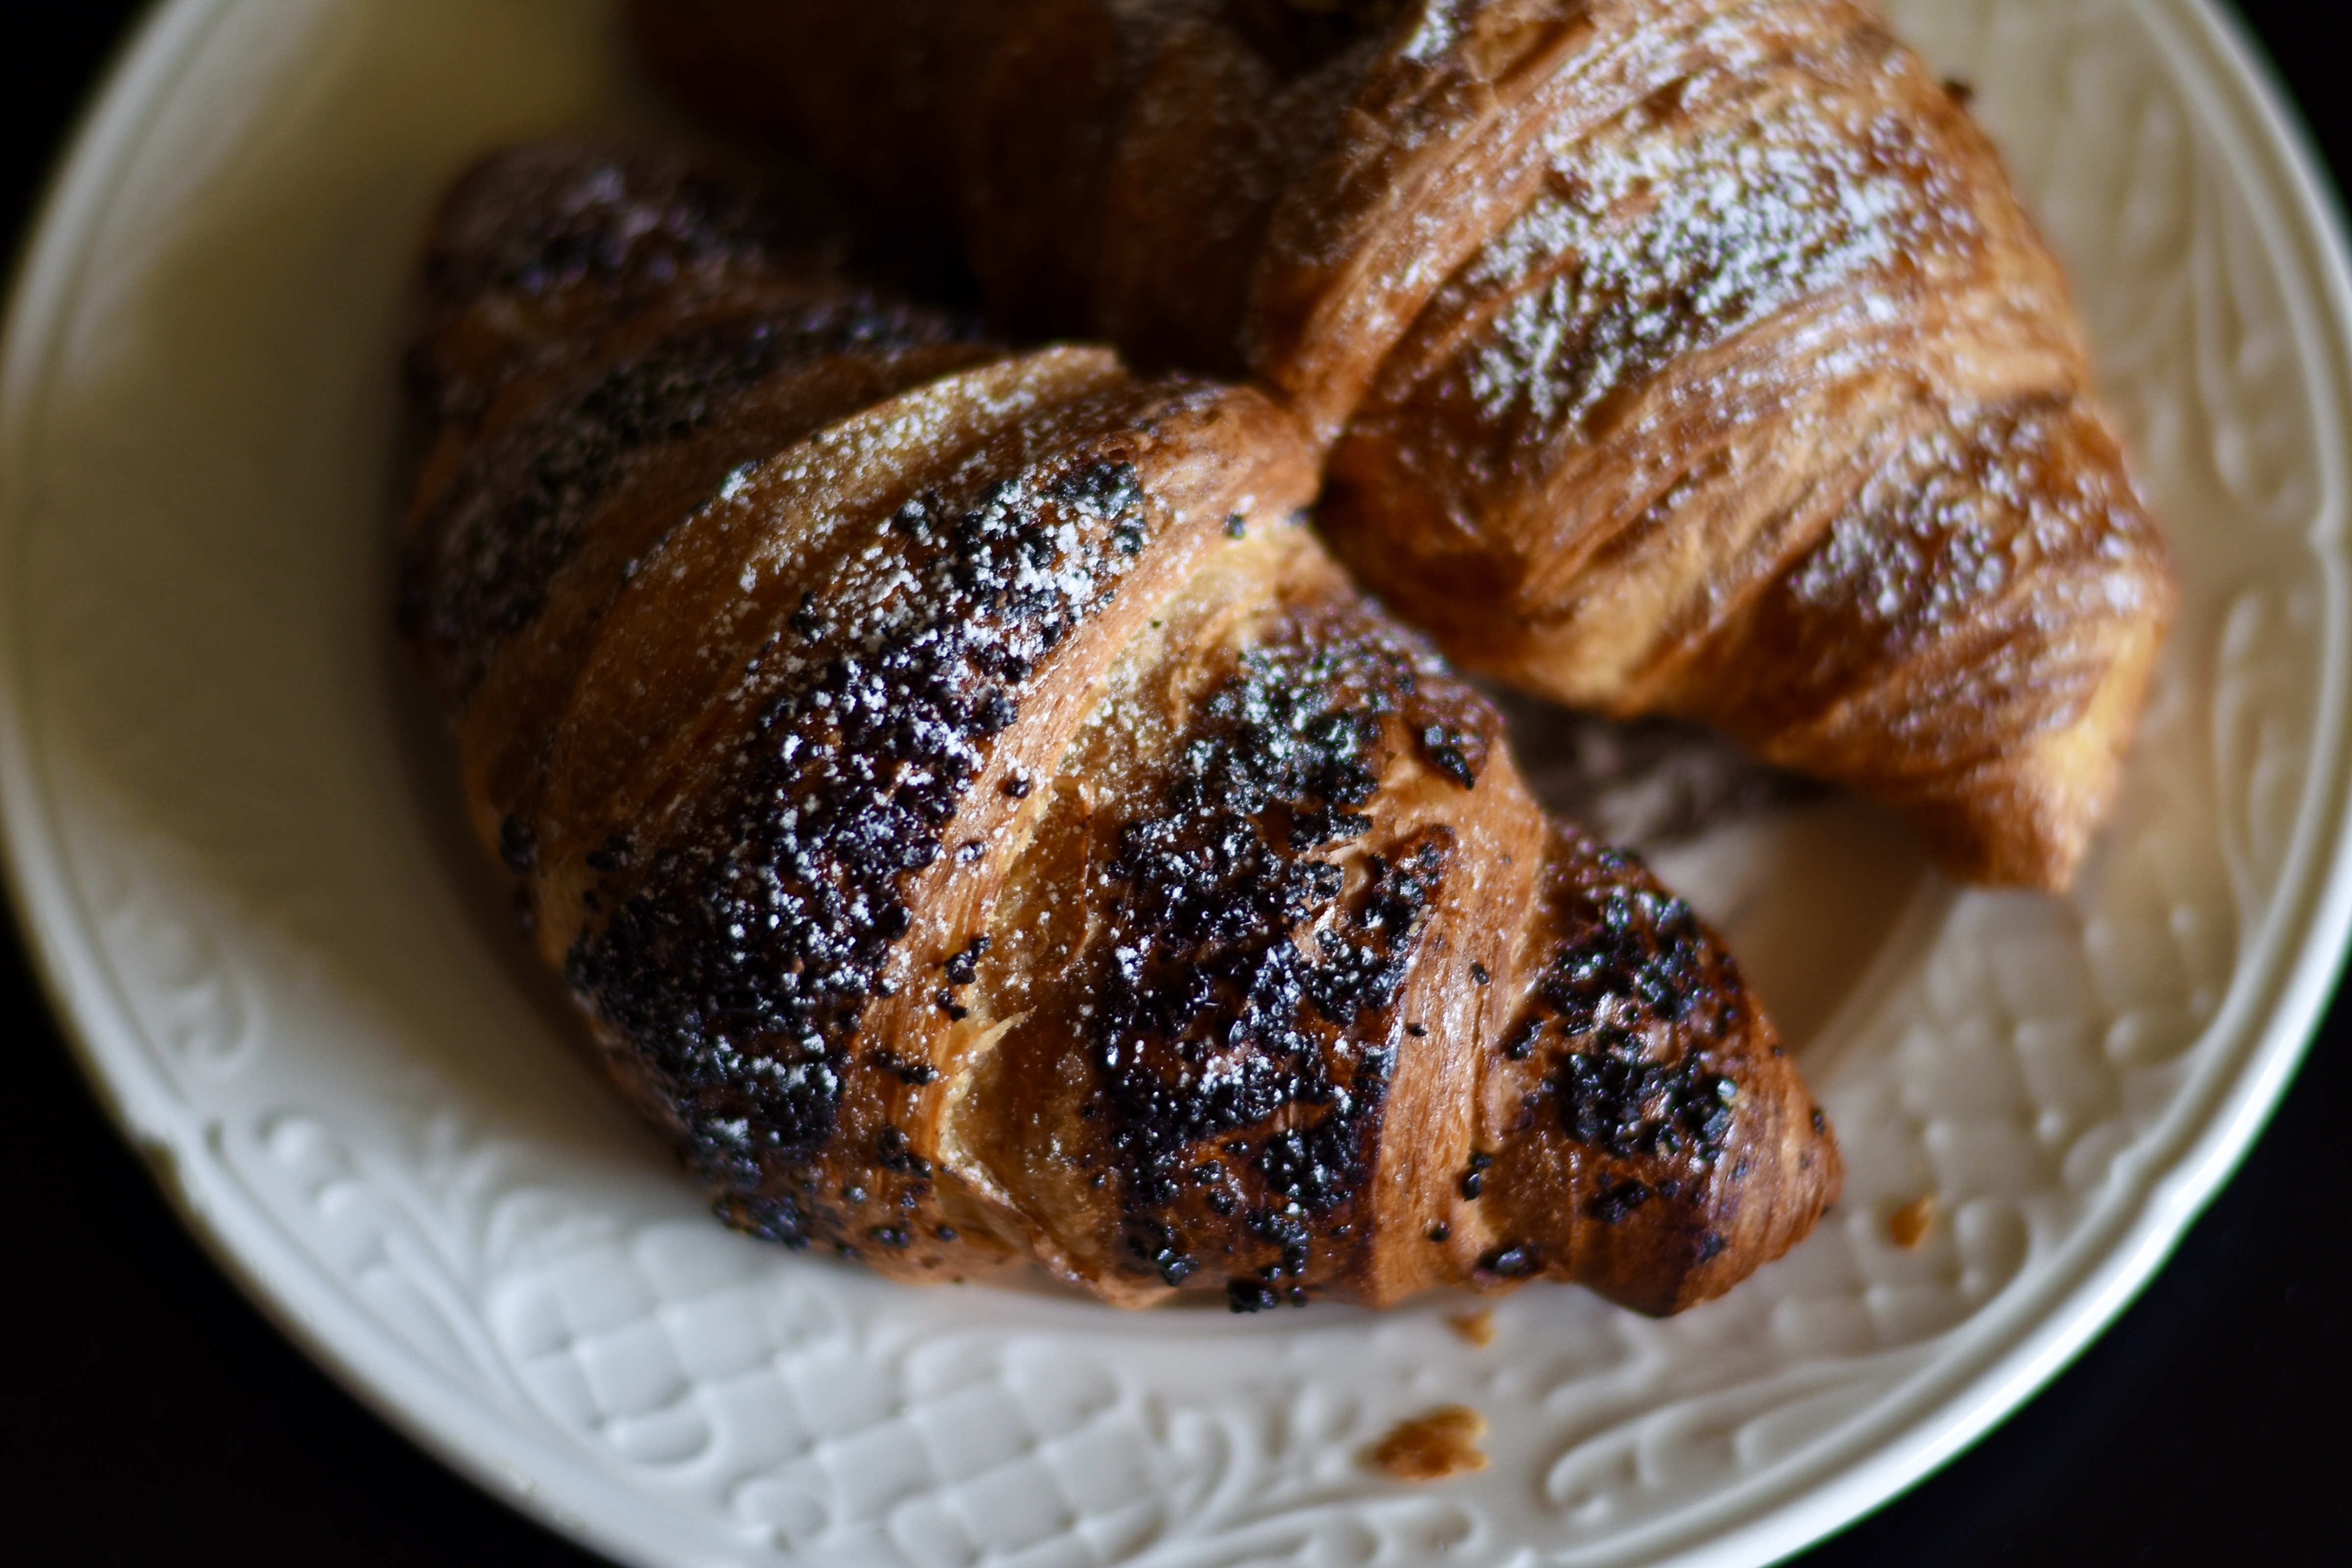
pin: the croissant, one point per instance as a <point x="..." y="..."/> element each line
<point x="1681" y="357"/>
<point x="980" y="822"/>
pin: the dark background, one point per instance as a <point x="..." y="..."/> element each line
<point x="162" y="1416"/>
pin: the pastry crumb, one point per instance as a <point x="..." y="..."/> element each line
<point x="1434" y="1447"/>
<point x="1906" y="1227"/>
<point x="1477" y="1327"/>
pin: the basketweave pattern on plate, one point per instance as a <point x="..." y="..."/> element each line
<point x="243" y="854"/>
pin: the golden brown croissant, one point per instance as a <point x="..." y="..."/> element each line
<point x="981" y="822"/>
<point x="1679" y="356"/>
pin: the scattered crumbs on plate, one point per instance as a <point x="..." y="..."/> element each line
<point x="1477" y="1327"/>
<point x="1906" y="1227"/>
<point x="1434" y="1447"/>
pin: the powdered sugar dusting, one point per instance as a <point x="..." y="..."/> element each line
<point x="742" y="951"/>
<point x="1652" y="239"/>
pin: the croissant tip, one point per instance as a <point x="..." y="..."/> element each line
<point x="1801" y="1180"/>
<point x="2007" y="858"/>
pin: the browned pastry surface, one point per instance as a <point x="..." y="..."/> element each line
<point x="1677" y="356"/>
<point x="981" y="824"/>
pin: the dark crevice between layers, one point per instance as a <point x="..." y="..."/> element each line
<point x="1295" y="36"/>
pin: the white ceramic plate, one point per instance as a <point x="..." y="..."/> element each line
<point x="237" y="850"/>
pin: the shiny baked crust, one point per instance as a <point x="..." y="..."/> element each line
<point x="980" y="822"/>
<point x="1677" y="356"/>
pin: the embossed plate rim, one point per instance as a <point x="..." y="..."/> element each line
<point x="1943" y="1406"/>
<point x="538" y="1477"/>
<point x="1957" y="1398"/>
